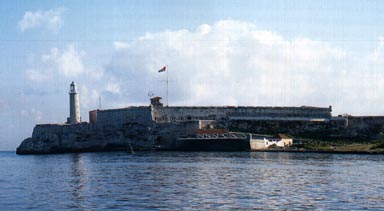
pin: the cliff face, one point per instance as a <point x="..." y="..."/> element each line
<point x="134" y="133"/>
<point x="87" y="137"/>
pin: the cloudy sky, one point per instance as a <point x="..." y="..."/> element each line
<point x="227" y="52"/>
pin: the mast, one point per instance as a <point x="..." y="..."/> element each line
<point x="167" y="81"/>
<point x="167" y="85"/>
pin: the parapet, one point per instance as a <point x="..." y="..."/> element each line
<point x="139" y="114"/>
<point x="183" y="113"/>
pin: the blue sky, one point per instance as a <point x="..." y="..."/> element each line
<point x="288" y="53"/>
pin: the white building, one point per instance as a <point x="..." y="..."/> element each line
<point x="263" y="142"/>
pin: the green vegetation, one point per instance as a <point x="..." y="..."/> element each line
<point x="273" y="146"/>
<point x="340" y="145"/>
<point x="322" y="142"/>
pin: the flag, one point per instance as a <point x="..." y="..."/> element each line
<point x="163" y="69"/>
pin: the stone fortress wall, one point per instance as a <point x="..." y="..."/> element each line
<point x="146" y="127"/>
<point x="317" y="122"/>
<point x="304" y="121"/>
<point x="170" y="120"/>
<point x="178" y="114"/>
<point x="108" y="130"/>
<point x="138" y="114"/>
<point x="162" y="114"/>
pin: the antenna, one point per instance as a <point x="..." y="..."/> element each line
<point x="99" y="102"/>
<point x="150" y="94"/>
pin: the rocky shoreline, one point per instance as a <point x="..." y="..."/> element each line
<point x="155" y="127"/>
<point x="54" y="139"/>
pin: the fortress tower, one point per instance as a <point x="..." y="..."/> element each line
<point x="74" y="105"/>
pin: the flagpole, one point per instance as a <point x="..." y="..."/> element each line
<point x="167" y="84"/>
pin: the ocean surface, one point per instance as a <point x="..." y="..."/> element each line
<point x="191" y="181"/>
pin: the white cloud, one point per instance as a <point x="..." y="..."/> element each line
<point x="49" y="19"/>
<point x="64" y="63"/>
<point x="204" y="29"/>
<point x="68" y="62"/>
<point x="37" y="75"/>
<point x="378" y="53"/>
<point x="89" y="96"/>
<point x="234" y="62"/>
<point x="227" y="63"/>
<point x="96" y="73"/>
<point x="226" y="59"/>
<point x="33" y="113"/>
<point x="120" y="45"/>
<point x="113" y="87"/>
<point x="52" y="73"/>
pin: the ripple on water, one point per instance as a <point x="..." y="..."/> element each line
<point x="191" y="181"/>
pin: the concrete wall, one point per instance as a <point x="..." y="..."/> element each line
<point x="257" y="144"/>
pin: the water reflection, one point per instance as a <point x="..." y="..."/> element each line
<point x="193" y="181"/>
<point x="78" y="181"/>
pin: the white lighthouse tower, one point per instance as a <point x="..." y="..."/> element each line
<point x="74" y="105"/>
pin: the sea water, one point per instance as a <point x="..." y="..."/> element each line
<point x="191" y="181"/>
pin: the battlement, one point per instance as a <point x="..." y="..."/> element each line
<point x="183" y="113"/>
<point x="160" y="114"/>
<point x="138" y="114"/>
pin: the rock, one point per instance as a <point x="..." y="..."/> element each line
<point x="85" y="138"/>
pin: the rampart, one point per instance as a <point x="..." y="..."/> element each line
<point x="149" y="127"/>
<point x="140" y="115"/>
<point x="365" y="127"/>
<point x="308" y="122"/>
<point x="116" y="129"/>
<point x="162" y="114"/>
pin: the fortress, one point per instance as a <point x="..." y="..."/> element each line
<point x="159" y="127"/>
<point x="179" y="114"/>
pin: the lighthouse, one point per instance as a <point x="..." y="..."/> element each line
<point x="74" y="105"/>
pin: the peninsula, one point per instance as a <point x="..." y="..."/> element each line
<point x="159" y="127"/>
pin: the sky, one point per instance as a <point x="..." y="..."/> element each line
<point x="227" y="52"/>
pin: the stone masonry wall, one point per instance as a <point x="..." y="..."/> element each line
<point x="119" y="129"/>
<point x="366" y="127"/>
<point x="145" y="127"/>
<point x="179" y="114"/>
<point x="346" y="128"/>
<point x="141" y="114"/>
